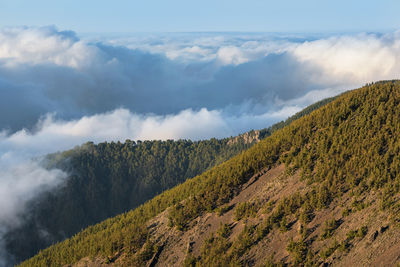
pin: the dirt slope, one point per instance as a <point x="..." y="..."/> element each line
<point x="379" y="246"/>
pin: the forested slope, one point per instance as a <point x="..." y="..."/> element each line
<point x="346" y="157"/>
<point x="107" y="179"/>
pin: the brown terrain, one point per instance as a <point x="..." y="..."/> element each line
<point x="379" y="247"/>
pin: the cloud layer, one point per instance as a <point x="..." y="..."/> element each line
<point x="43" y="70"/>
<point x="22" y="176"/>
<point x="58" y="90"/>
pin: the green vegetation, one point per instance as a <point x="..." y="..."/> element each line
<point x="358" y="204"/>
<point x="350" y="236"/>
<point x="221" y="210"/>
<point x="245" y="210"/>
<point x="307" y="213"/>
<point x="224" y="231"/>
<point x="112" y="178"/>
<point x="330" y="227"/>
<point x="271" y="263"/>
<point x="298" y="251"/>
<point x="348" y="145"/>
<point x="329" y="250"/>
<point x="361" y="232"/>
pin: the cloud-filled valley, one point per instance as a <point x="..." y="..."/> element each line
<point x="58" y="90"/>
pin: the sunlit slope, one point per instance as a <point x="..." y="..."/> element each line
<point x="107" y="179"/>
<point x="344" y="152"/>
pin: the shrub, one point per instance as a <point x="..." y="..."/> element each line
<point x="244" y="210"/>
<point x="330" y="227"/>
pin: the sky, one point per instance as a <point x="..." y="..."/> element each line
<point x="79" y="71"/>
<point x="207" y="15"/>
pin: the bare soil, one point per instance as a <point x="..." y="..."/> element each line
<point x="380" y="246"/>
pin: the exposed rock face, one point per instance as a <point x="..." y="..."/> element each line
<point x="246" y="138"/>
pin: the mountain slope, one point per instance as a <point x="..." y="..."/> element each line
<point x="344" y="157"/>
<point x="108" y="179"/>
<point x="111" y="178"/>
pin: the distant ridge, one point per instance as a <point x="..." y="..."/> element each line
<point x="108" y="179"/>
<point x="119" y="177"/>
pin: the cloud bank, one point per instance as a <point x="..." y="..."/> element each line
<point x="58" y="90"/>
<point x="22" y="176"/>
<point x="21" y="180"/>
<point x="43" y="70"/>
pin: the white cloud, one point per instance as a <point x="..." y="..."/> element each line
<point x="43" y="70"/>
<point x="356" y="59"/>
<point x="53" y="134"/>
<point x="44" y="45"/>
<point x="22" y="176"/>
<point x="231" y="55"/>
<point x="193" y="86"/>
<point x="20" y="183"/>
<point x="21" y="179"/>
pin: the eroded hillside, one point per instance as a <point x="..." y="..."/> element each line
<point x="347" y="233"/>
<point x="323" y="190"/>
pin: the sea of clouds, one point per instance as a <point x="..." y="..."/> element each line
<point x="58" y="90"/>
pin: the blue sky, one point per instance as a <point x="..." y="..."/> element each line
<point x="206" y="15"/>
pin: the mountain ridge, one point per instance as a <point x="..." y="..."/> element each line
<point x="345" y="152"/>
<point x="107" y="179"/>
